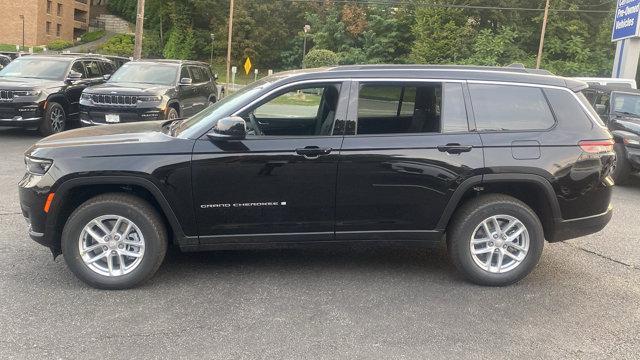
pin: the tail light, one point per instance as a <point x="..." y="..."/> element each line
<point x="596" y="146"/>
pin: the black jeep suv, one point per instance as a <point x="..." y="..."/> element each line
<point x="495" y="160"/>
<point x="44" y="91"/>
<point x="149" y="90"/>
<point x="619" y="107"/>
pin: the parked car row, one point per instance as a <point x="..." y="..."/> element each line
<point x="55" y="92"/>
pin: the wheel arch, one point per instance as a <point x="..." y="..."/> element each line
<point x="174" y="104"/>
<point x="71" y="193"/>
<point x="60" y="99"/>
<point x="533" y="190"/>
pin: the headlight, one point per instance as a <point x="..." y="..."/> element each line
<point x="37" y="166"/>
<point x="27" y="93"/>
<point x="149" y="98"/>
<point x="85" y="96"/>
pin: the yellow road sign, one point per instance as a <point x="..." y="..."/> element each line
<point x="247" y="66"/>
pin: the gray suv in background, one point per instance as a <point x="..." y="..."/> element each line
<point x="150" y="90"/>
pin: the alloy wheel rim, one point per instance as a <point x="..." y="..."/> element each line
<point x="111" y="245"/>
<point x="173" y="115"/>
<point x="499" y="244"/>
<point x="57" y="119"/>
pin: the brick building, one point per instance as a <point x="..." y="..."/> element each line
<point x="44" y="20"/>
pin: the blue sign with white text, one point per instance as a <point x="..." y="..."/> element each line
<point x="625" y="24"/>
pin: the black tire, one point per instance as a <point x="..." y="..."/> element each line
<point x="622" y="171"/>
<point x="137" y="210"/>
<point x="54" y="121"/>
<point x="473" y="213"/>
<point x="172" y="114"/>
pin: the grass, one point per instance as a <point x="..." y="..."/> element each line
<point x="92" y="36"/>
<point x="12" y="47"/>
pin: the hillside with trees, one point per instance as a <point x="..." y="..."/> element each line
<point x="383" y="31"/>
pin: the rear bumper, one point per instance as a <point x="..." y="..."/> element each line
<point x="574" y="228"/>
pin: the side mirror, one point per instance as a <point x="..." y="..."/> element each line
<point x="74" y="76"/>
<point x="106" y="77"/>
<point x="229" y="128"/>
<point x="186" y="81"/>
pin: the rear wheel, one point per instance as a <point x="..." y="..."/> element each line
<point x="55" y="119"/>
<point x="622" y="170"/>
<point x="495" y="240"/>
<point x="114" y="241"/>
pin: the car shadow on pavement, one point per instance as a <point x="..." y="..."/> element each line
<point x="632" y="183"/>
<point x="19" y="134"/>
<point x="401" y="261"/>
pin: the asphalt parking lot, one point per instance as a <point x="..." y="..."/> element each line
<point x="582" y="301"/>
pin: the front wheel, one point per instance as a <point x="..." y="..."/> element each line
<point x="54" y="121"/>
<point x="114" y="241"/>
<point x="495" y="240"/>
<point x="172" y="114"/>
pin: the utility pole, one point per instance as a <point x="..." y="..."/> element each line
<point x="137" y="50"/>
<point x="213" y="37"/>
<point x="229" y="39"/>
<point x="544" y="29"/>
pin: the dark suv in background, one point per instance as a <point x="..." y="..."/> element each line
<point x="43" y="91"/>
<point x="619" y="107"/>
<point x="493" y="160"/>
<point x="4" y="61"/>
<point x="150" y="90"/>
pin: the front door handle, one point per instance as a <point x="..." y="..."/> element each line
<point x="454" y="148"/>
<point x="313" y="152"/>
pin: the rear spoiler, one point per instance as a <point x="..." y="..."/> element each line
<point x="575" y="85"/>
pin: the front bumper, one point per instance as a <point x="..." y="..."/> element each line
<point x="33" y="196"/>
<point x="20" y="114"/>
<point x="95" y="115"/>
<point x="574" y="228"/>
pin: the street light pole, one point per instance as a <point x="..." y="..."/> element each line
<point x="213" y="37"/>
<point x="137" y="50"/>
<point x="304" y="43"/>
<point x="22" y="17"/>
<point x="544" y="29"/>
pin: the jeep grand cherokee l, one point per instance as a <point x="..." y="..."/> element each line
<point x="44" y="91"/>
<point x="149" y="90"/>
<point x="619" y="107"/>
<point x="494" y="160"/>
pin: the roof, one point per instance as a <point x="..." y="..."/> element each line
<point x="613" y="87"/>
<point x="171" y="61"/>
<point x="65" y="56"/>
<point x="450" y="72"/>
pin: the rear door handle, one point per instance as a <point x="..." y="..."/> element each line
<point x="313" y="152"/>
<point x="454" y="148"/>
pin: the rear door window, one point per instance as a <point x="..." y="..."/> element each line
<point x="510" y="108"/>
<point x="199" y="76"/>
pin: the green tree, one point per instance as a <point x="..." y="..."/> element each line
<point x="320" y="58"/>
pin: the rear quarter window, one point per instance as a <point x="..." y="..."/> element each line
<point x="568" y="110"/>
<point x="510" y="108"/>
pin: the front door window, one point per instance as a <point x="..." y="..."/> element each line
<point x="301" y="111"/>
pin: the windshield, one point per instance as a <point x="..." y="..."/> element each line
<point x="627" y="104"/>
<point x="49" y="69"/>
<point x="158" y="74"/>
<point x="204" y="120"/>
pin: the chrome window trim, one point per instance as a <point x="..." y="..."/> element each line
<point x="404" y="79"/>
